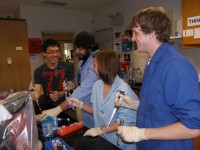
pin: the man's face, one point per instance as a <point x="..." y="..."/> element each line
<point x="52" y="55"/>
<point x="142" y="40"/>
<point x="80" y="52"/>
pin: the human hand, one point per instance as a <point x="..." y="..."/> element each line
<point x="54" y="112"/>
<point x="40" y="117"/>
<point x="131" y="134"/>
<point x="55" y="95"/>
<point x="93" y="132"/>
<point x="128" y="102"/>
<point x="75" y="102"/>
<point x="35" y="95"/>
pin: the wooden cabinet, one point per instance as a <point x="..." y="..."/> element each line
<point x="190" y="9"/>
<point x="14" y="49"/>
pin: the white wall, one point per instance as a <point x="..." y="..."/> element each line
<point x="129" y="7"/>
<point x="41" y="19"/>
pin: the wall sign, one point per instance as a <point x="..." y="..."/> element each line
<point x="193" y="21"/>
<point x="34" y="45"/>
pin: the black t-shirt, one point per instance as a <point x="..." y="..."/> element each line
<point x="52" y="79"/>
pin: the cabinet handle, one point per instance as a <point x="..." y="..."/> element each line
<point x="9" y="61"/>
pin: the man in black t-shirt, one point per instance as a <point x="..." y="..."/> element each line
<point x="50" y="76"/>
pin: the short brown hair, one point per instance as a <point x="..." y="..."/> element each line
<point x="108" y="65"/>
<point x="153" y="19"/>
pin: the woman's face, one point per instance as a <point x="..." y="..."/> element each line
<point x="95" y="67"/>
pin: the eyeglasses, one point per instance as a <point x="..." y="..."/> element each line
<point x="53" y="52"/>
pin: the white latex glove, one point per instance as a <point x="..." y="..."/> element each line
<point x="40" y="117"/>
<point x="4" y="114"/>
<point x="75" y="102"/>
<point x="54" y="112"/>
<point x="93" y="132"/>
<point x="131" y="134"/>
<point x="128" y="102"/>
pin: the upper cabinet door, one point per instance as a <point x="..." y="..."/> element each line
<point x="191" y="23"/>
<point x="14" y="55"/>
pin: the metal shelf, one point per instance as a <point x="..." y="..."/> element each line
<point x="175" y="37"/>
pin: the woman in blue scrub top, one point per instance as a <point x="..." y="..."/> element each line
<point x="106" y="66"/>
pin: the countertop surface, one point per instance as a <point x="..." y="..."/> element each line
<point x="77" y="141"/>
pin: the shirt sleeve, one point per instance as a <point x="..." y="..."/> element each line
<point x="85" y="89"/>
<point x="182" y="93"/>
<point x="37" y="76"/>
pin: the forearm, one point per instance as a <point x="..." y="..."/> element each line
<point x="37" y="88"/>
<point x="176" y="131"/>
<point x="64" y="106"/>
<point x="87" y="108"/>
<point x="110" y="128"/>
<point x="37" y="93"/>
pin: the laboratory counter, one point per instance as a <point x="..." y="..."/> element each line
<point x="76" y="140"/>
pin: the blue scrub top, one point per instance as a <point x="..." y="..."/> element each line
<point x="84" y="91"/>
<point x="103" y="107"/>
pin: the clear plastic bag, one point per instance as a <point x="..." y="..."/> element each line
<point x="20" y="130"/>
